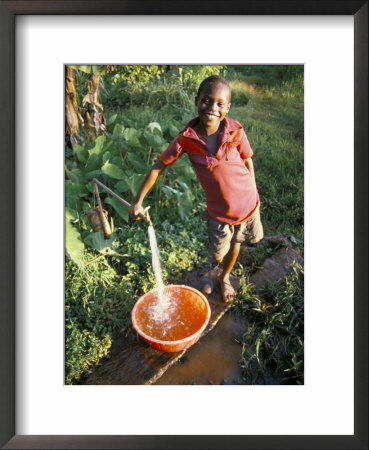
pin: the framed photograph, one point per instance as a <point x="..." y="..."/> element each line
<point x="38" y="409"/>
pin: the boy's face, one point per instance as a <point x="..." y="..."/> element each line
<point x="213" y="105"/>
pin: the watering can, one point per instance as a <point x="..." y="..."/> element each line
<point x="98" y="216"/>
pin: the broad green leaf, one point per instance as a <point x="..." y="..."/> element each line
<point x="118" y="131"/>
<point x="73" y="193"/>
<point x="155" y="128"/>
<point x="70" y="214"/>
<point x="173" y="131"/>
<point x="153" y="140"/>
<point x="110" y="119"/>
<point x="75" y="175"/>
<point x="106" y="157"/>
<point x="117" y="160"/>
<point x="93" y="174"/>
<point x="137" y="162"/>
<point x="99" y="144"/>
<point x="73" y="243"/>
<point x="131" y="135"/>
<point x="81" y="152"/>
<point x="113" y="171"/>
<point x="112" y="147"/>
<point x="119" y="207"/>
<point x="97" y="241"/>
<point x="90" y="187"/>
<point x="135" y="182"/>
<point x="93" y="163"/>
<point x="127" y="147"/>
<point x="121" y="186"/>
<point x="73" y="189"/>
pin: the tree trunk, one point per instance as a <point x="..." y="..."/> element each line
<point x="95" y="121"/>
<point x="71" y="106"/>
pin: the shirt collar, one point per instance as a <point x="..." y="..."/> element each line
<point x="229" y="126"/>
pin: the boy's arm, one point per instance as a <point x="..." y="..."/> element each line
<point x="149" y="181"/>
<point x="249" y="164"/>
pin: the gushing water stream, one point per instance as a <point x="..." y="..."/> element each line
<point x="156" y="261"/>
<point x="159" y="309"/>
<point x="168" y="315"/>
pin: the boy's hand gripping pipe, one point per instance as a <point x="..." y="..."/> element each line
<point x="96" y="182"/>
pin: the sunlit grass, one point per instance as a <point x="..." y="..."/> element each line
<point x="273" y="344"/>
<point x="274" y="123"/>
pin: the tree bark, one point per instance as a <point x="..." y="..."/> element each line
<point x="71" y="105"/>
<point x="95" y="121"/>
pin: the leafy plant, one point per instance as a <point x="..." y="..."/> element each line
<point x="121" y="161"/>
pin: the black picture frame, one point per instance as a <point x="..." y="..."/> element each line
<point x="8" y="11"/>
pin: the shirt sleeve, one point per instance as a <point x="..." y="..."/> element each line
<point x="245" y="147"/>
<point x="172" y="153"/>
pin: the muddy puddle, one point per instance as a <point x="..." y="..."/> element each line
<point x="214" y="359"/>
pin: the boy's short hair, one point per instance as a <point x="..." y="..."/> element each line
<point x="213" y="79"/>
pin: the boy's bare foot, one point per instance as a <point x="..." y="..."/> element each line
<point x="228" y="293"/>
<point x="208" y="280"/>
<point x="207" y="285"/>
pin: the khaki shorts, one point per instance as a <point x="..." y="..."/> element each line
<point x="221" y="235"/>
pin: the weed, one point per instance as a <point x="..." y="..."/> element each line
<point x="272" y="346"/>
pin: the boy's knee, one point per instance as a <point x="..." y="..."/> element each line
<point x="235" y="244"/>
<point x="214" y="260"/>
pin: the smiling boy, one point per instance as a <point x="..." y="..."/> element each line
<point x="220" y="154"/>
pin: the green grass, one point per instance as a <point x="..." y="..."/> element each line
<point x="273" y="344"/>
<point x="100" y="294"/>
<point x="274" y="122"/>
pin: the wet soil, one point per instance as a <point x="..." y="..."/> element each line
<point x="214" y="359"/>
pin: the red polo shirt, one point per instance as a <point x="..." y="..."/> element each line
<point x="231" y="196"/>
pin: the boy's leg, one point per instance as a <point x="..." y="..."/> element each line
<point x="249" y="232"/>
<point x="229" y="261"/>
<point x="224" y="247"/>
<point x="220" y="236"/>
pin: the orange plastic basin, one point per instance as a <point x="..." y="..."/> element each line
<point x="175" y="327"/>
